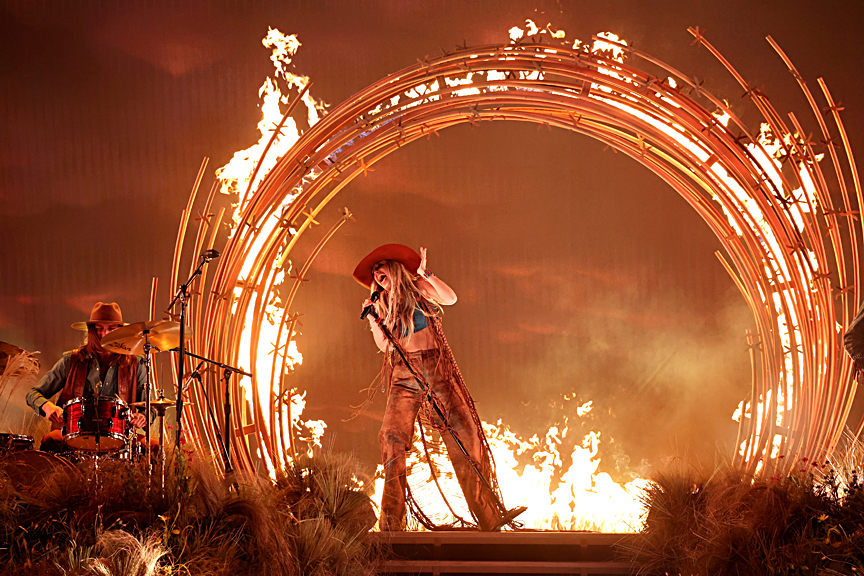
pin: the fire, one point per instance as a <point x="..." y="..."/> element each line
<point x="558" y="497"/>
<point x="238" y="172"/>
<point x="607" y="41"/>
<point x="582" y="498"/>
<point x="236" y="177"/>
<point x="768" y="153"/>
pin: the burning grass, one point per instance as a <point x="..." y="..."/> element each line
<point x="726" y="523"/>
<point x="104" y="520"/>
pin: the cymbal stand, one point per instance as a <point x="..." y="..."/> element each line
<point x="147" y="407"/>
<point x="160" y="411"/>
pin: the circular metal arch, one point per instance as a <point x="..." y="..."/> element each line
<point x="765" y="194"/>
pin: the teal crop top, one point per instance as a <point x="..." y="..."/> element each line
<point x="420" y="321"/>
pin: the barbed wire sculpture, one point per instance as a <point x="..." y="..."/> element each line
<point x="784" y="208"/>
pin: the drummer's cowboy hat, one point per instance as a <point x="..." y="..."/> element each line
<point x="102" y="314"/>
<point x="398" y="252"/>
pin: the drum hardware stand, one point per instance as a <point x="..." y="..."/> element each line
<point x="97" y="394"/>
<point x="161" y="406"/>
<point x="147" y="407"/>
<point x="182" y="296"/>
<point x="506" y="514"/>
<point x="224" y="440"/>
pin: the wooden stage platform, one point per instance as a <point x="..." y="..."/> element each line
<point x="524" y="552"/>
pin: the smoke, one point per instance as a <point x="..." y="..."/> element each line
<point x="664" y="375"/>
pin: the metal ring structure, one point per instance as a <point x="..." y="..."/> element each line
<point x="784" y="215"/>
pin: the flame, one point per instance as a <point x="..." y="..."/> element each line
<point x="768" y="153"/>
<point x="558" y="497"/>
<point x="236" y="179"/>
<point x="615" y="45"/>
<point x="531" y="29"/>
<point x="238" y="172"/>
<point x="582" y="499"/>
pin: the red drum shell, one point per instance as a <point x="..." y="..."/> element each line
<point x="95" y="426"/>
<point x="15" y="442"/>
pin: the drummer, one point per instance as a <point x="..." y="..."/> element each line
<point x="87" y="371"/>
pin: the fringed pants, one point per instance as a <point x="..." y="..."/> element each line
<point x="403" y="403"/>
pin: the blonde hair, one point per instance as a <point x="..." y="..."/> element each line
<point x="396" y="307"/>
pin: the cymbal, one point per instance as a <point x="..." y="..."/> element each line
<point x="163" y="335"/>
<point x="158" y="403"/>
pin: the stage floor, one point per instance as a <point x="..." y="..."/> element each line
<point x="522" y="552"/>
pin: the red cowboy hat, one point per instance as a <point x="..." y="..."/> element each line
<point x="398" y="252"/>
<point x="102" y="314"/>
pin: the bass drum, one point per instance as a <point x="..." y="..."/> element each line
<point x="30" y="470"/>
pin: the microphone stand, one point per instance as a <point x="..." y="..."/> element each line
<point x="433" y="398"/>
<point x="225" y="439"/>
<point x="182" y="296"/>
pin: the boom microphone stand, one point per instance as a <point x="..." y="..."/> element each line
<point x="505" y="513"/>
<point x="225" y="438"/>
<point x="182" y="296"/>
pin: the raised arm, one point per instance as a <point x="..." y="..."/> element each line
<point x="432" y="286"/>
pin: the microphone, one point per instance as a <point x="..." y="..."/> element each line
<point x="196" y="374"/>
<point x="374" y="298"/>
<point x="210" y="254"/>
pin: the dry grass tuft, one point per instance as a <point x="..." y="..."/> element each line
<point x="105" y="519"/>
<point x="122" y="554"/>
<point x="726" y="523"/>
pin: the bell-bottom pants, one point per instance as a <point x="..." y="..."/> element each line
<point x="403" y="403"/>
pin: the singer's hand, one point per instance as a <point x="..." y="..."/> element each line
<point x="422" y="268"/>
<point x="366" y="303"/>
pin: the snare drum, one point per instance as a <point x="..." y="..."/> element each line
<point x="15" y="442"/>
<point x="95" y="425"/>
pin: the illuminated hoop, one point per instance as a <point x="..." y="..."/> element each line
<point x="768" y="203"/>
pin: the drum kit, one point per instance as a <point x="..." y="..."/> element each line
<point x="96" y="427"/>
<point x="101" y="427"/>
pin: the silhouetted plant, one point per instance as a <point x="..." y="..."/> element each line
<point x="105" y="518"/>
<point x="727" y="523"/>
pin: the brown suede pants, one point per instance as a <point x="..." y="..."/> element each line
<point x="403" y="403"/>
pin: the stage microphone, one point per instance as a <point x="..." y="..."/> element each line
<point x="196" y="374"/>
<point x="210" y="254"/>
<point x="374" y="298"/>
